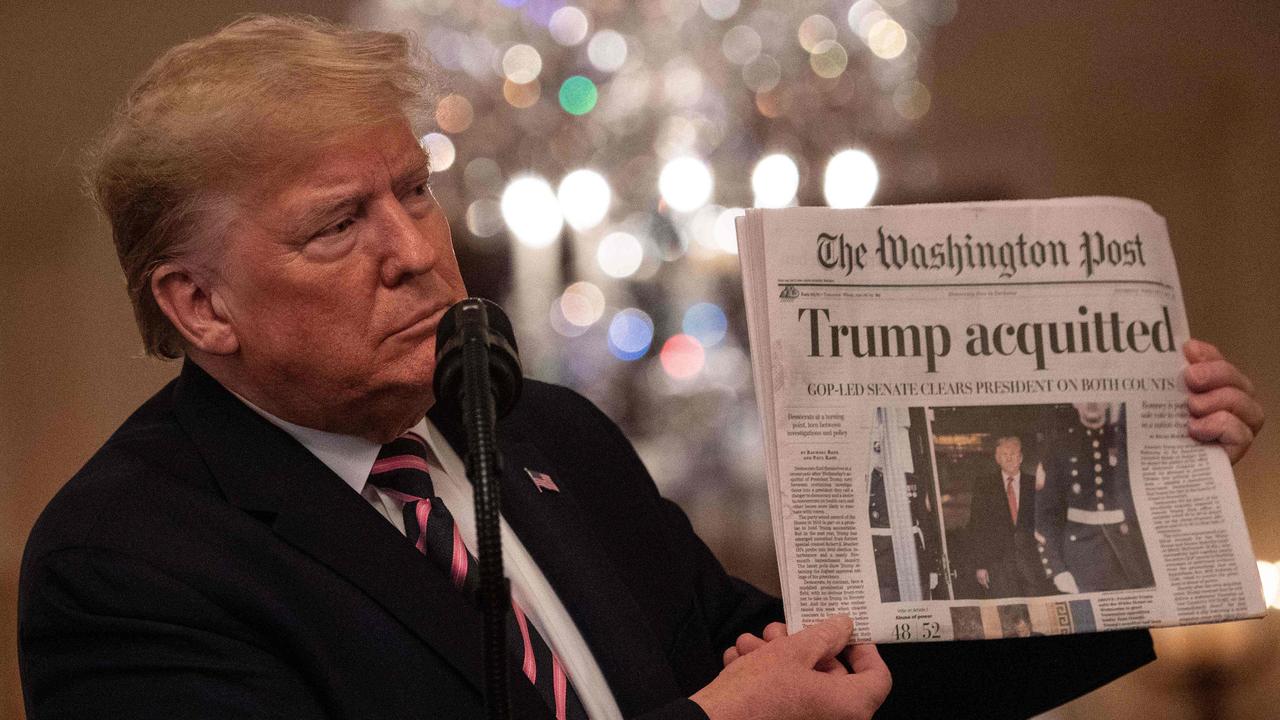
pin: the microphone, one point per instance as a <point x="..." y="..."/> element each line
<point x="483" y="319"/>
<point x="478" y="379"/>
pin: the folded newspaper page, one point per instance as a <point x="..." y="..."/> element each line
<point x="975" y="422"/>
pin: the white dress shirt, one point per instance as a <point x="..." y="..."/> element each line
<point x="351" y="458"/>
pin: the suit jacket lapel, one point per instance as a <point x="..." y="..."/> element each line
<point x="263" y="470"/>
<point x="551" y="527"/>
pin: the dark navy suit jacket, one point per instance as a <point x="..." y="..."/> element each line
<point x="203" y="564"/>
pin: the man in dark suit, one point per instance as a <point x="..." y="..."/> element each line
<point x="227" y="552"/>
<point x="1003" y="526"/>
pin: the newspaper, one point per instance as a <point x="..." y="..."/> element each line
<point x="975" y="422"/>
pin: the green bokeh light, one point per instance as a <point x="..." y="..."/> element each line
<point x="578" y="95"/>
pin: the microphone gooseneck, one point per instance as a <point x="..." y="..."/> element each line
<point x="478" y="374"/>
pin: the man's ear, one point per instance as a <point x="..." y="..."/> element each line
<point x="187" y="299"/>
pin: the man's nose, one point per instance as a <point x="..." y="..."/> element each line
<point x="408" y="245"/>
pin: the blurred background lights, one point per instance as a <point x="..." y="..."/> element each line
<point x="829" y="59"/>
<point x="531" y="211"/>
<point x="726" y="232"/>
<point x="582" y="303"/>
<point x="454" y="114"/>
<point x="720" y="9"/>
<point x="685" y="183"/>
<point x="1270" y="573"/>
<point x="762" y="74"/>
<point x="607" y="50"/>
<point x="630" y="333"/>
<point x="521" y="64"/>
<point x="521" y="95"/>
<point x="484" y="218"/>
<point x="482" y="176"/>
<point x="911" y="99"/>
<point x="850" y="180"/>
<point x="578" y="95"/>
<point x="682" y="356"/>
<point x="886" y="38"/>
<point x="741" y="44"/>
<point x="815" y="29"/>
<point x="619" y="254"/>
<point x="863" y="14"/>
<point x="561" y="324"/>
<point x="775" y="181"/>
<point x="584" y="197"/>
<point x="706" y="322"/>
<point x="440" y="150"/>
<point x="568" y="25"/>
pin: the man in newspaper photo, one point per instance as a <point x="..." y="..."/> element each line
<point x="232" y="550"/>
<point x="1087" y="531"/>
<point x="1003" y="525"/>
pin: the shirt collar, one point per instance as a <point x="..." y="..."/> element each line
<point x="350" y="457"/>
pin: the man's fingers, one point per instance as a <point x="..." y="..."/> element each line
<point x="1211" y="374"/>
<point x="818" y="642"/>
<point x="1233" y="400"/>
<point x="865" y="658"/>
<point x="1199" y="351"/>
<point x="870" y="683"/>
<point x="774" y="630"/>
<point x="730" y="655"/>
<point x="1225" y="429"/>
<point x="746" y="643"/>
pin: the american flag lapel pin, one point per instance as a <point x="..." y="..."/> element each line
<point x="542" y="481"/>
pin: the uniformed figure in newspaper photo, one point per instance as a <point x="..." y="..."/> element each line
<point x="1087" y="530"/>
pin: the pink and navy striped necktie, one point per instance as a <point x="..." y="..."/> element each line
<point x="401" y="470"/>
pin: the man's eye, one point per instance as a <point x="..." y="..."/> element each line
<point x="337" y="228"/>
<point x="422" y="188"/>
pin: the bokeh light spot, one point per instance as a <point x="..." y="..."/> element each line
<point x="582" y="304"/>
<point x="440" y="150"/>
<point x="521" y="64"/>
<point x="530" y="210"/>
<point x="568" y="25"/>
<point x="685" y="183"/>
<point x="775" y="181"/>
<point x="682" y="356"/>
<point x="829" y="59"/>
<point x="850" y="180"/>
<point x="706" y="322"/>
<point x="454" y="114"/>
<point x="578" y="95"/>
<point x="630" y="334"/>
<point x="584" y="198"/>
<point x="912" y="99"/>
<point x="607" y="50"/>
<point x="741" y="44"/>
<point x="887" y="39"/>
<point x="619" y="254"/>
<point x="815" y="29"/>
<point x="521" y="96"/>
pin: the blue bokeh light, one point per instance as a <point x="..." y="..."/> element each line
<point x="706" y="322"/>
<point x="630" y="334"/>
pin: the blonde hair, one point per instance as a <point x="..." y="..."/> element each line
<point x="212" y="113"/>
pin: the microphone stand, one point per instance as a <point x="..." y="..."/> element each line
<point x="483" y="465"/>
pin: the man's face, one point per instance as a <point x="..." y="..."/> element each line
<point x="1009" y="457"/>
<point x="335" y="277"/>
<point x="1092" y="414"/>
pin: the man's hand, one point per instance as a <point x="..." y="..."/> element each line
<point x="983" y="577"/>
<point x="797" y="676"/>
<point x="1066" y="583"/>
<point x="1222" y="406"/>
